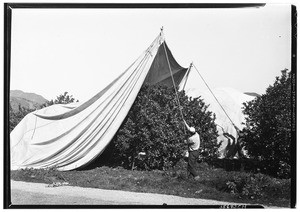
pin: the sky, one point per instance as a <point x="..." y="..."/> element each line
<point x="83" y="50"/>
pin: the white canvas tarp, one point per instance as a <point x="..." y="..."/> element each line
<point x="71" y="136"/>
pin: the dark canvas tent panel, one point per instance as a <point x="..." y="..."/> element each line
<point x="159" y="72"/>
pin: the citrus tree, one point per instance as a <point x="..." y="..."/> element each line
<point x="152" y="135"/>
<point x="15" y="116"/>
<point x="268" y="131"/>
<point x="64" y="98"/>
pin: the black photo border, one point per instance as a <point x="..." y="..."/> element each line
<point x="8" y="7"/>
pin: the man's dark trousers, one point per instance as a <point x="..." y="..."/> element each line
<point x="192" y="163"/>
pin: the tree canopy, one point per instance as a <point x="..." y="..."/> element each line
<point x="268" y="127"/>
<point x="154" y="126"/>
<point x="64" y="98"/>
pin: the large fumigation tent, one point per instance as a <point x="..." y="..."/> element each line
<point x="71" y="136"/>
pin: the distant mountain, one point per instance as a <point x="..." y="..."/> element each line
<point x="26" y="100"/>
<point x="252" y="94"/>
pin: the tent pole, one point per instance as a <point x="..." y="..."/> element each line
<point x="187" y="75"/>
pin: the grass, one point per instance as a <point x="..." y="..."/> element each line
<point x="215" y="183"/>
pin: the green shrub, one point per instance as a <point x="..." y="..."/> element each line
<point x="154" y="125"/>
<point x="15" y="116"/>
<point x="64" y="98"/>
<point x="253" y="186"/>
<point x="268" y="127"/>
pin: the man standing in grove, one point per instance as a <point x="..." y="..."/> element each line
<point x="193" y="143"/>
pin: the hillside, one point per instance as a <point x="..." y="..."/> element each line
<point x="26" y="100"/>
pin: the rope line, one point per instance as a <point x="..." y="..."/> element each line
<point x="173" y="83"/>
<point x="213" y="94"/>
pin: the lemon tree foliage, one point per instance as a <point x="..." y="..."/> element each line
<point x="268" y="131"/>
<point x="154" y="126"/>
<point x="15" y="116"/>
<point x="64" y="98"/>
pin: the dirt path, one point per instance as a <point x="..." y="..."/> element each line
<point x="24" y="193"/>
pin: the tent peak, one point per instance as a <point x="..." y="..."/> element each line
<point x="162" y="32"/>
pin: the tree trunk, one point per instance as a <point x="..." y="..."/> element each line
<point x="132" y="162"/>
